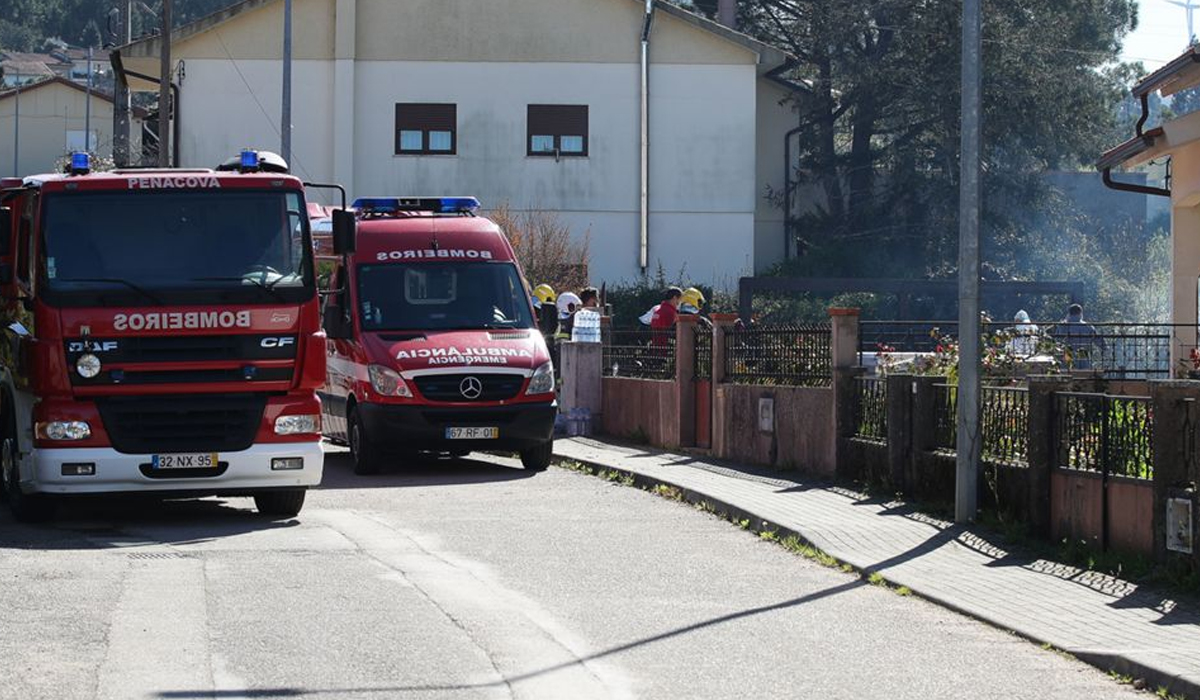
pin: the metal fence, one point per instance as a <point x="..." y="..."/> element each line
<point x="1116" y="350"/>
<point x="870" y="409"/>
<point x="1004" y="423"/>
<point x="640" y="354"/>
<point x="702" y="357"/>
<point x="798" y="355"/>
<point x="1107" y="435"/>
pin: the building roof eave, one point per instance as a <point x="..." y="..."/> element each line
<point x="1180" y="74"/>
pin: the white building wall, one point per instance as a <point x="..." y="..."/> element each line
<point x="774" y="120"/>
<point x="227" y="106"/>
<point x="702" y="154"/>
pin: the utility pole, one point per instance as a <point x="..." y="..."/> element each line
<point x="164" y="90"/>
<point x="87" y="107"/>
<point x="17" y="131"/>
<point x="285" y="127"/>
<point x="121" y="89"/>
<point x="968" y="442"/>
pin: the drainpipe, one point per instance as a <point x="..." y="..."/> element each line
<point x="788" y="238"/>
<point x="644" y="204"/>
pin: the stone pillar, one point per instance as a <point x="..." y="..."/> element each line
<point x="582" y="385"/>
<point x="899" y="429"/>
<point x="1176" y="406"/>
<point x="720" y="422"/>
<point x="924" y="436"/>
<point x="843" y="348"/>
<point x="844" y="338"/>
<point x="685" y="377"/>
<point x="1043" y="451"/>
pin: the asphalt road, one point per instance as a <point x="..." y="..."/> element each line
<point x="471" y="579"/>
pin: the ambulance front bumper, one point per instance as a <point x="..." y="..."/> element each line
<point x="64" y="471"/>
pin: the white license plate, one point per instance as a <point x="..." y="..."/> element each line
<point x="201" y="460"/>
<point x="472" y="433"/>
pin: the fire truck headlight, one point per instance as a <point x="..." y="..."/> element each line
<point x="388" y="382"/>
<point x="298" y="425"/>
<point x="88" y="366"/>
<point x="64" y="430"/>
<point x="543" y="380"/>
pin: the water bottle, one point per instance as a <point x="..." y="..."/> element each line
<point x="586" y="328"/>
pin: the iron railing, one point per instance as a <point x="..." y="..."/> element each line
<point x="1004" y="426"/>
<point x="1116" y="350"/>
<point x="870" y="409"/>
<point x="1103" y="434"/>
<point x="702" y="357"/>
<point x="793" y="355"/>
<point x="640" y="354"/>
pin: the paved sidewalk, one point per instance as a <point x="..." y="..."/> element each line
<point x="1101" y="620"/>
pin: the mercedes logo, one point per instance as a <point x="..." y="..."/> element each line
<point x="471" y="388"/>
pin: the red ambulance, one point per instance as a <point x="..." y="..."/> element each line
<point x="433" y="344"/>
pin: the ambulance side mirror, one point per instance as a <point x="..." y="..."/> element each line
<point x="344" y="228"/>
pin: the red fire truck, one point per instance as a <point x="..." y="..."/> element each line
<point x="162" y="334"/>
<point x="433" y="344"/>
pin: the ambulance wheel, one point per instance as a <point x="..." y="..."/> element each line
<point x="280" y="504"/>
<point x="362" y="450"/>
<point x="26" y="507"/>
<point x="537" y="459"/>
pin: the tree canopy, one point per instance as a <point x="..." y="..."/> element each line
<point x="26" y="25"/>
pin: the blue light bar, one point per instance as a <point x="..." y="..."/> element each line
<point x="436" y="205"/>
<point x="249" y="160"/>
<point x="81" y="163"/>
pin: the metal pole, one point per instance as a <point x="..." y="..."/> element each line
<point x="644" y="122"/>
<point x="164" y="90"/>
<point x="285" y="128"/>
<point x="121" y="90"/>
<point x="87" y="107"/>
<point x="968" y="442"/>
<point x="17" y="131"/>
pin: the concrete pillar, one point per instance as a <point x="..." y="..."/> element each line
<point x="899" y="429"/>
<point x="721" y="325"/>
<point x="924" y="436"/>
<point x="1176" y="407"/>
<point x="344" y="94"/>
<point x="1043" y="450"/>
<point x="582" y="386"/>
<point x="844" y="339"/>
<point x="685" y="377"/>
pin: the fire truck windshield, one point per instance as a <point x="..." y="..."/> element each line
<point x="442" y="296"/>
<point x="133" y="247"/>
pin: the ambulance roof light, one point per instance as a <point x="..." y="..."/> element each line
<point x="436" y="205"/>
<point x="81" y="163"/>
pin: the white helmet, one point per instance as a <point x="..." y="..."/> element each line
<point x="566" y="301"/>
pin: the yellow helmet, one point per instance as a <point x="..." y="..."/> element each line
<point x="544" y="293"/>
<point x="693" y="297"/>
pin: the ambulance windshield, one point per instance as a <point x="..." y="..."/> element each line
<point x="442" y="296"/>
<point x="254" y="245"/>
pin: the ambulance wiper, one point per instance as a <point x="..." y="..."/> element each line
<point x="116" y="280"/>
<point x="270" y="287"/>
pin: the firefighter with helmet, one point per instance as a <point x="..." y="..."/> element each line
<point x="692" y="302"/>
<point x="547" y="313"/>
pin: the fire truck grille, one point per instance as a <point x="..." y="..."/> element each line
<point x="149" y="425"/>
<point x="183" y="348"/>
<point x="451" y="387"/>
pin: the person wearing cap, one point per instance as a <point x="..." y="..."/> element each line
<point x="1024" y="336"/>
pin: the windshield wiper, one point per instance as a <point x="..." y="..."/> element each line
<point x="116" y="280"/>
<point x="270" y="287"/>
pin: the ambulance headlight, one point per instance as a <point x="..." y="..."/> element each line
<point x="543" y="380"/>
<point x="88" y="366"/>
<point x="64" y="430"/>
<point x="388" y="382"/>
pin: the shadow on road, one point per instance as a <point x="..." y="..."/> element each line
<point x="422" y="470"/>
<point x="130" y="521"/>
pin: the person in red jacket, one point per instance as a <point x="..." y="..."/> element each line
<point x="662" y="317"/>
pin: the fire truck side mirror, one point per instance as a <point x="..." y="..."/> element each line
<point x="6" y="246"/>
<point x="344" y="226"/>
<point x="335" y="322"/>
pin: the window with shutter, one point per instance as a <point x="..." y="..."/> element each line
<point x="426" y="128"/>
<point x="557" y="130"/>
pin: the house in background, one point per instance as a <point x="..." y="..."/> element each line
<point x="533" y="103"/>
<point x="53" y="123"/>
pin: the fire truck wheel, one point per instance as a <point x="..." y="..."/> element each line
<point x="364" y="452"/>
<point x="26" y="507"/>
<point x="537" y="459"/>
<point x="280" y="504"/>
